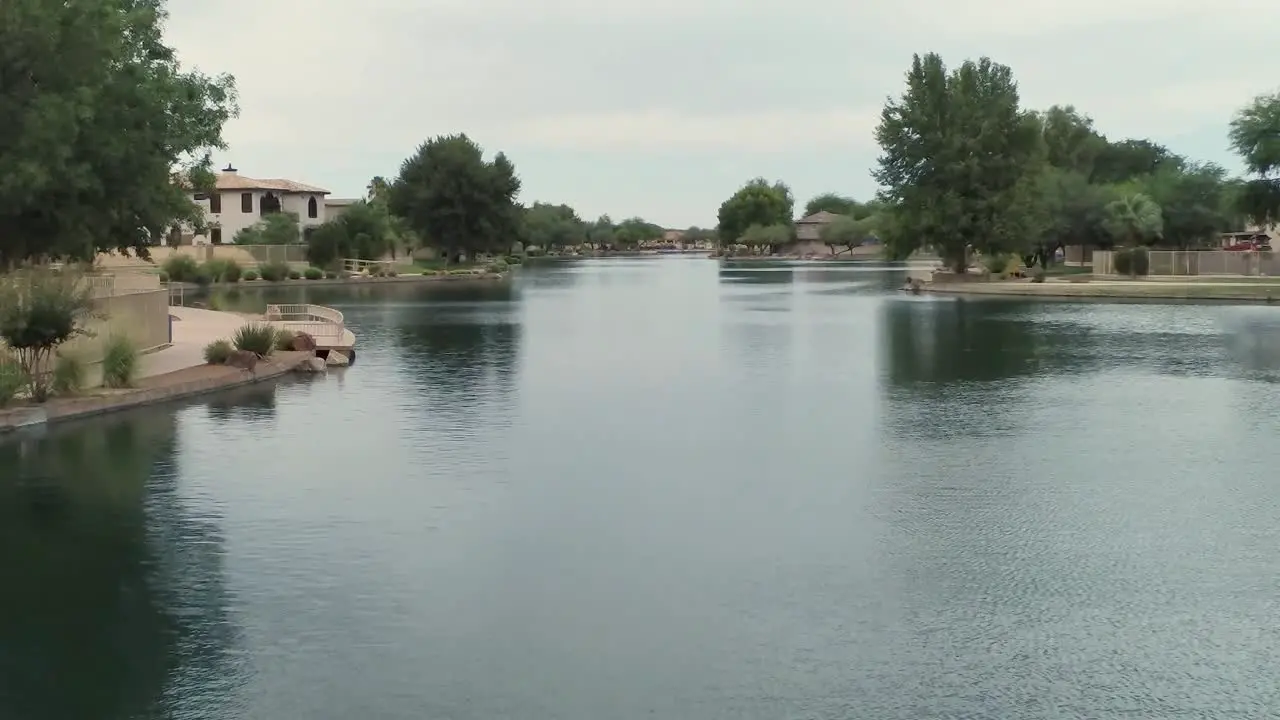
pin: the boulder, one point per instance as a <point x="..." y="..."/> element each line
<point x="337" y="359"/>
<point x="303" y="342"/>
<point x="243" y="359"/>
<point x="312" y="366"/>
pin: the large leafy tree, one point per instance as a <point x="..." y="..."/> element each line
<point x="832" y="203"/>
<point x="553" y="226"/>
<point x="1255" y="136"/>
<point x="759" y="202"/>
<point x="1192" y="199"/>
<point x="451" y="196"/>
<point x="772" y="237"/>
<point x="365" y="231"/>
<point x="632" y="232"/>
<point x="1068" y="210"/>
<point x="1070" y="141"/>
<point x="103" y="136"/>
<point x="1123" y="161"/>
<point x="847" y="232"/>
<point x="956" y="153"/>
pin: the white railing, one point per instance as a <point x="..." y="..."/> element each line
<point x="318" y="321"/>
<point x="356" y="266"/>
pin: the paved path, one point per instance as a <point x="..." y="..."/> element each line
<point x="192" y="330"/>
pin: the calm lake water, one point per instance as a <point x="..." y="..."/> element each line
<point x="663" y="488"/>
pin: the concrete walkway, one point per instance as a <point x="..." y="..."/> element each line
<point x="192" y="330"/>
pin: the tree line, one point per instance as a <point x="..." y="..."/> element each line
<point x="964" y="167"/>
<point x="104" y="137"/>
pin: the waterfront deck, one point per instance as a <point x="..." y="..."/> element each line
<point x="325" y="324"/>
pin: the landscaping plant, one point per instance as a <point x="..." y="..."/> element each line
<point x="313" y="273"/>
<point x="119" y="362"/>
<point x="284" y="339"/>
<point x="250" y="274"/>
<point x="295" y="275"/>
<point x="12" y="379"/>
<point x="257" y="338"/>
<point x="217" y="352"/>
<point x="274" y="271"/>
<point x="68" y="374"/>
<point x="181" y="268"/>
<point x="39" y="311"/>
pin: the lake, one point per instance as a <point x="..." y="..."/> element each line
<point x="667" y="488"/>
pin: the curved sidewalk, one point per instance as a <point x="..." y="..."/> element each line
<point x="193" y="328"/>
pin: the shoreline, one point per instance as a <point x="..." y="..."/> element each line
<point x="321" y="282"/>
<point x="177" y="385"/>
<point x="1229" y="291"/>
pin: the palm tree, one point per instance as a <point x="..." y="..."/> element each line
<point x="1133" y="220"/>
<point x="377" y="188"/>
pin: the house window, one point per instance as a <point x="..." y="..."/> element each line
<point x="246" y="202"/>
<point x="215" y="236"/>
<point x="215" y="203"/>
<point x="312" y="210"/>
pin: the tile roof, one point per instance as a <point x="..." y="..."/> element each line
<point x="235" y="181"/>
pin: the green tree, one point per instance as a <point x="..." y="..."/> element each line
<point x="1255" y="136"/>
<point x="1123" y="161"/>
<point x="1192" y="198"/>
<point x="759" y="202"/>
<point x="695" y="235"/>
<point x="1134" y="220"/>
<point x="103" y="135"/>
<point x="376" y="189"/>
<point x="846" y="232"/>
<point x="601" y="232"/>
<point x="957" y="151"/>
<point x="768" y="236"/>
<point x="450" y="195"/>
<point x="1068" y="210"/>
<point x="553" y="226"/>
<point x="832" y="203"/>
<point x="279" y="228"/>
<point x="1071" y="143"/>
<point x="632" y="232"/>
<point x="364" y="231"/>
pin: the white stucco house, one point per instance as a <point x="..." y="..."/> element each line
<point x="241" y="201"/>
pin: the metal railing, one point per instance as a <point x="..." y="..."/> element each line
<point x="318" y="321"/>
<point x="357" y="266"/>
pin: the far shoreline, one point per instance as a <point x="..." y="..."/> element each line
<point x="1243" y="290"/>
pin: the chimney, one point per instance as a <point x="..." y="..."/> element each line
<point x="228" y="168"/>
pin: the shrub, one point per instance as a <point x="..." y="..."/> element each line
<point x="428" y="272"/>
<point x="284" y="339"/>
<point x="331" y="275"/>
<point x="257" y="338"/>
<point x="181" y="268"/>
<point x="391" y="272"/>
<point x="295" y="275"/>
<point x="274" y="271"/>
<point x="497" y="267"/>
<point x="68" y="374"/>
<point x="202" y="277"/>
<point x="164" y="276"/>
<point x="1140" y="263"/>
<point x="312" y="273"/>
<point x="223" y="270"/>
<point x="250" y="274"/>
<point x="39" y="311"/>
<point x="119" y="362"/>
<point x="217" y="352"/>
<point x="996" y="264"/>
<point x="12" y="379"/>
<point x="1038" y="277"/>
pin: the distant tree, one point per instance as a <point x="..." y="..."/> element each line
<point x="832" y="203"/>
<point x="1070" y="141"/>
<point x="377" y="189"/>
<point x="553" y="226"/>
<point x="1123" y="161"/>
<point x="103" y="134"/>
<point x="957" y="153"/>
<point x="632" y="232"/>
<point x="1134" y="220"/>
<point x="273" y="229"/>
<point x="759" y="202"/>
<point x="696" y="235"/>
<point x="364" y="231"/>
<point x="601" y="232"/>
<point x="846" y="232"/>
<point x="772" y="237"/>
<point x="449" y="193"/>
<point x="1255" y="136"/>
<point x="1067" y="210"/>
<point x="1192" y="199"/>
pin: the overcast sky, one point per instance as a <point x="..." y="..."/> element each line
<point x="662" y="108"/>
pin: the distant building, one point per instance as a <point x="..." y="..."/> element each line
<point x="239" y="201"/>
